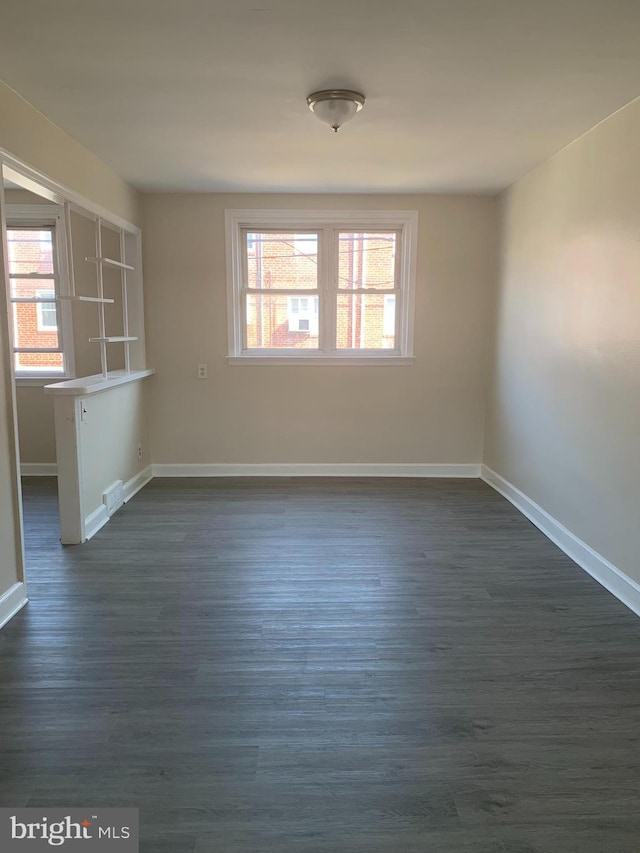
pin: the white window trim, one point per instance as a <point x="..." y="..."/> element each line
<point x="47" y="215"/>
<point x="294" y="221"/>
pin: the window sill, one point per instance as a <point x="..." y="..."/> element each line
<point x="335" y="361"/>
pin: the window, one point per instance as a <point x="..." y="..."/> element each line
<point x="41" y="323"/>
<point x="324" y="286"/>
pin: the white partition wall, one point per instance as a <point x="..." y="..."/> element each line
<point x="102" y="443"/>
<point x="102" y="448"/>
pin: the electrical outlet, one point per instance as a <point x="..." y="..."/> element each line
<point x="203" y="372"/>
<point x="139" y="451"/>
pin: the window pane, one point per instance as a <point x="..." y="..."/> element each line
<point x="30" y="250"/>
<point x="282" y="322"/>
<point x="363" y="321"/>
<point x="389" y="316"/>
<point x="39" y="362"/>
<point x="286" y="261"/>
<point x="367" y="260"/>
<point x="29" y="330"/>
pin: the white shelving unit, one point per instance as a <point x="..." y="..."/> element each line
<point x="93" y="299"/>
<point x="109" y="262"/>
<point x="100" y="300"/>
<point x="112" y="339"/>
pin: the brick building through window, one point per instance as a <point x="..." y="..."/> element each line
<point x="34" y="277"/>
<point x="324" y="288"/>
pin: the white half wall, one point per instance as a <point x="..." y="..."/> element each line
<point x="98" y="437"/>
<point x="115" y="424"/>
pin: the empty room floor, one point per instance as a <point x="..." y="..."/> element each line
<point x="337" y="666"/>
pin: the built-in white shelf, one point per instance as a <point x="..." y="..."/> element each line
<point x="109" y="262"/>
<point x="46" y="300"/>
<point x="93" y="384"/>
<point x="100" y="299"/>
<point x="104" y="338"/>
<point x="112" y="339"/>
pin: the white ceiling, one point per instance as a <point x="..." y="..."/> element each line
<point x="462" y="95"/>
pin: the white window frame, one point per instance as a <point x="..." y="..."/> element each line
<point x="327" y="223"/>
<point x="47" y="216"/>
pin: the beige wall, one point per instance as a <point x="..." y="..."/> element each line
<point x="432" y="411"/>
<point x="28" y="135"/>
<point x="36" y="430"/>
<point x="564" y="413"/>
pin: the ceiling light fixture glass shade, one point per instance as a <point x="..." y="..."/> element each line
<point x="335" y="107"/>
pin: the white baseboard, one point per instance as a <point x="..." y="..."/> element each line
<point x="610" y="577"/>
<point x="95" y="521"/>
<point x="133" y="486"/>
<point x="99" y="517"/>
<point x="363" y="469"/>
<point x="38" y="469"/>
<point x="13" y="600"/>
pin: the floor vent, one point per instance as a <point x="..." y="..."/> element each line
<point x="113" y="498"/>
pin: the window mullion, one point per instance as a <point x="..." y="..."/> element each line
<point x="322" y="290"/>
<point x="37" y="350"/>
<point x="34" y="276"/>
<point x="57" y="292"/>
<point x="330" y="263"/>
<point x="281" y="291"/>
<point x="401" y="335"/>
<point x="369" y="291"/>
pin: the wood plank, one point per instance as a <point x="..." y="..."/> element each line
<point x="327" y="665"/>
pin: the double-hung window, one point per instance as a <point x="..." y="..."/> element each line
<point x="321" y="286"/>
<point x="37" y="278"/>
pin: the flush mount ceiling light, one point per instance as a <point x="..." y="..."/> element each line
<point x="335" y="106"/>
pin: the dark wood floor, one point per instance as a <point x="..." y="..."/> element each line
<point x="337" y="666"/>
